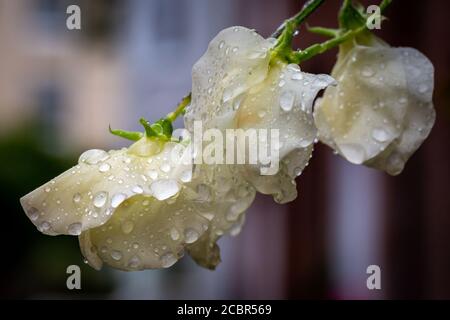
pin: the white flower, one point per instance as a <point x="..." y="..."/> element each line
<point x="236" y="85"/>
<point x="137" y="208"/>
<point x="381" y="110"/>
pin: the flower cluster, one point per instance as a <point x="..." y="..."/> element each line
<point x="144" y="206"/>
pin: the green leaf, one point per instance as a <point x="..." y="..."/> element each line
<point x="130" y="135"/>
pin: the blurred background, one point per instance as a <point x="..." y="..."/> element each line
<point x="60" y="89"/>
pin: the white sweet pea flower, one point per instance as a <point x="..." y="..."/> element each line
<point x="137" y="208"/>
<point x="236" y="85"/>
<point x="381" y="110"/>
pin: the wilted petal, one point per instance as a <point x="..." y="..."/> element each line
<point x="236" y="59"/>
<point x="382" y="110"/>
<point x="86" y="195"/>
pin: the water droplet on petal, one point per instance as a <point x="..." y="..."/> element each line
<point x="380" y="135"/>
<point x="281" y="83"/>
<point x="33" y="213"/>
<point x="221" y="44"/>
<point x="47" y="189"/>
<point x="353" y="153"/>
<point x="127" y="227"/>
<point x="44" y="226"/>
<point x="76" y="197"/>
<point x="297" y="76"/>
<point x="367" y="71"/>
<point x="165" y="167"/>
<point x="100" y="199"/>
<point x="186" y="176"/>
<point x="287" y="100"/>
<point x="74" y="229"/>
<point x="190" y="235"/>
<point x="168" y="260"/>
<point x="116" y="255"/>
<point x="93" y="156"/>
<point x="174" y="234"/>
<point x="104" y="167"/>
<point x="117" y="199"/>
<point x="164" y="188"/>
<point x="137" y="189"/>
<point x="153" y="174"/>
<point x="134" y="262"/>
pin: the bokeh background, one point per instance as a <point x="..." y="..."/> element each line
<point x="60" y="89"/>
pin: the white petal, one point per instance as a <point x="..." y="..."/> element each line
<point x="382" y="110"/>
<point x="228" y="197"/>
<point x="236" y="59"/>
<point x="283" y="102"/>
<point x="86" y="195"/>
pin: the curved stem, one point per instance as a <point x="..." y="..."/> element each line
<point x="180" y="108"/>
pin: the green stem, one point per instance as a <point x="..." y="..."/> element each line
<point x="339" y="38"/>
<point x="180" y="108"/>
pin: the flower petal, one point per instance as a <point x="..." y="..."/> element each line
<point x="282" y="102"/>
<point x="236" y="59"/>
<point x="382" y="110"/>
<point x="229" y="196"/>
<point x="86" y="195"/>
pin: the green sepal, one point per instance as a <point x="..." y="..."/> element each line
<point x="130" y="135"/>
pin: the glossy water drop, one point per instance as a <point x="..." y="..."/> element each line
<point x="104" y="167"/>
<point x="116" y="255"/>
<point x="153" y="174"/>
<point x="168" y="260"/>
<point x="186" y="176"/>
<point x="297" y="76"/>
<point x="164" y="188"/>
<point x="174" y="234"/>
<point x="367" y="71"/>
<point x="33" y="213"/>
<point x="221" y="44"/>
<point x="44" y="226"/>
<point x="127" y="226"/>
<point x="117" y="199"/>
<point x="93" y="156"/>
<point x="137" y="189"/>
<point x="76" y="197"/>
<point x="165" y="167"/>
<point x="100" y="199"/>
<point x="287" y="100"/>
<point x="74" y="229"/>
<point x="353" y="153"/>
<point x="190" y="235"/>
<point x="134" y="262"/>
<point x="380" y="135"/>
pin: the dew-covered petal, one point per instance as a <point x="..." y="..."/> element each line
<point x="86" y="195"/>
<point x="228" y="197"/>
<point x="282" y="105"/>
<point x="144" y="233"/>
<point x="236" y="59"/>
<point x="382" y="110"/>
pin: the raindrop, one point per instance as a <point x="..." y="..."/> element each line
<point x="367" y="71"/>
<point x="153" y="174"/>
<point x="33" y="213"/>
<point x="44" y="226"/>
<point x="74" y="229"/>
<point x="261" y="113"/>
<point x="297" y="76"/>
<point x="127" y="227"/>
<point x="174" y="234"/>
<point x="137" y="189"/>
<point x="281" y="83"/>
<point x="100" y="199"/>
<point x="190" y="235"/>
<point x="186" y="176"/>
<point x="134" y="262"/>
<point x="287" y="100"/>
<point x="116" y="255"/>
<point x="165" y="167"/>
<point x="117" y="199"/>
<point x="164" y="188"/>
<point x="221" y="44"/>
<point x="380" y="135"/>
<point x="93" y="156"/>
<point x="47" y="189"/>
<point x="353" y="153"/>
<point x="76" y="197"/>
<point x="104" y="167"/>
<point x="168" y="260"/>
